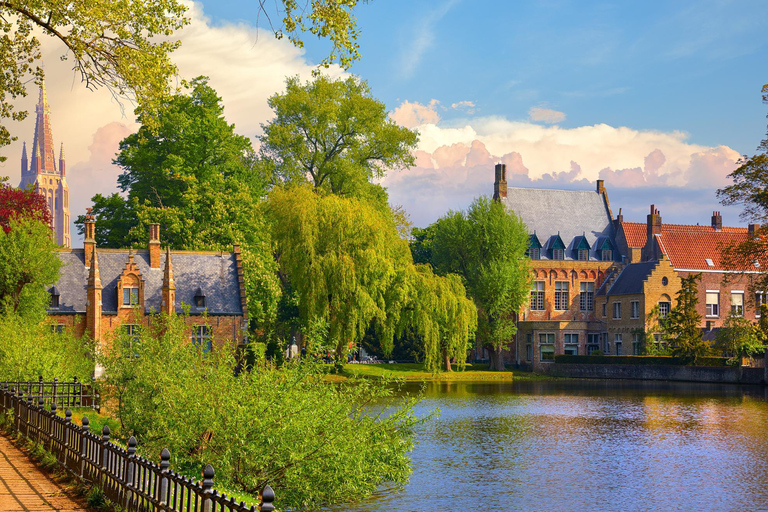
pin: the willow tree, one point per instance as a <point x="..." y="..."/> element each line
<point x="442" y="316"/>
<point x="344" y="259"/>
<point x="486" y="246"/>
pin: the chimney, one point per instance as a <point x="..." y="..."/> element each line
<point x="717" y="221"/>
<point x="753" y="228"/>
<point x="500" y="184"/>
<point x="653" y="227"/>
<point x="154" y="246"/>
<point x="619" y="220"/>
<point x="600" y="186"/>
<point x="89" y="244"/>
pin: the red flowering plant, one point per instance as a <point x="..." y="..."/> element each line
<point x="16" y="202"/>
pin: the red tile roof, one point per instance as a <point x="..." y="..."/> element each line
<point x="689" y="247"/>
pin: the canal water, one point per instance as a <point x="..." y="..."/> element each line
<point x="587" y="445"/>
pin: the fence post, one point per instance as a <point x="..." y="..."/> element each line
<point x="52" y="427"/>
<point x="40" y="417"/>
<point x="162" y="484"/>
<point x="129" y="473"/>
<point x="208" y="474"/>
<point x="266" y="498"/>
<point x="55" y="388"/>
<point x="67" y="422"/>
<point x="83" y="445"/>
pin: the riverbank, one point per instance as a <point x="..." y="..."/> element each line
<point x="417" y="372"/>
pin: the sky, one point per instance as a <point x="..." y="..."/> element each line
<point x="657" y="98"/>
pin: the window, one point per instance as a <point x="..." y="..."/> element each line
<point x="57" y="328"/>
<point x="558" y="254"/>
<point x="635" y="304"/>
<point x="132" y="337"/>
<point x="587" y="297"/>
<point x="617" y="342"/>
<point x="593" y="343"/>
<point x="547" y="347"/>
<point x="605" y="307"/>
<point x="561" y="295"/>
<point x="535" y="254"/>
<point x="607" y="344"/>
<point x="571" y="341"/>
<point x="616" y="310"/>
<point x="636" y="345"/>
<point x="54" y="300"/>
<point x="130" y="296"/>
<point x="583" y="254"/>
<point x="713" y="303"/>
<point x="737" y="303"/>
<point x="664" y="308"/>
<point x="664" y="281"/>
<point x="537" y="295"/>
<point x="202" y="337"/>
<point x="529" y="352"/>
<point x="760" y="301"/>
<point x="606" y="255"/>
<point x="200" y="301"/>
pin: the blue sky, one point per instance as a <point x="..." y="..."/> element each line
<point x="659" y="99"/>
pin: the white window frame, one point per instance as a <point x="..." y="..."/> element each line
<point x="714" y="310"/>
<point x="537" y="296"/>
<point x="617" y="310"/>
<point x="587" y="296"/>
<point x="635" y="309"/>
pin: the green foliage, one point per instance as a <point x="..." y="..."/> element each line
<point x="596" y="358"/>
<point x="30" y="349"/>
<point x="336" y="133"/>
<point x="28" y="264"/>
<point x="314" y="442"/>
<point x="343" y="258"/>
<point x="485" y="245"/>
<point x="123" y="46"/>
<point x="739" y="337"/>
<point x="681" y="325"/>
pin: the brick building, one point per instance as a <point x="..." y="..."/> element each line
<point x="572" y="251"/>
<point x="43" y="174"/>
<point x="101" y="290"/>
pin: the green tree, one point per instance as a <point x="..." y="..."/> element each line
<point x="314" y="442"/>
<point x="199" y="179"/>
<point x="738" y="337"/>
<point x="336" y="135"/>
<point x="683" y="323"/>
<point x="485" y="245"/>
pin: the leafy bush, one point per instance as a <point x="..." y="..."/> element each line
<point x="638" y="360"/>
<point x="314" y="442"/>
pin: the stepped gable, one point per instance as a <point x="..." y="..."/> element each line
<point x="569" y="213"/>
<point x="214" y="272"/>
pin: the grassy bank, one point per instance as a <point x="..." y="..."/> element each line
<point x="417" y="372"/>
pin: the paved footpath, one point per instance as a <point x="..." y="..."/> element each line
<point x="25" y="487"/>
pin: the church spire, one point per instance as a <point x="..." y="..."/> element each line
<point x="43" y="143"/>
<point x="24" y="160"/>
<point x="62" y="165"/>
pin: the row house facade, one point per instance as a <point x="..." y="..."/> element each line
<point x="101" y="292"/>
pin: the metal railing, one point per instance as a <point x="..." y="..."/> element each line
<point x="128" y="480"/>
<point x="64" y="394"/>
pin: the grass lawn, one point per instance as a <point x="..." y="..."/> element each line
<point x="417" y="372"/>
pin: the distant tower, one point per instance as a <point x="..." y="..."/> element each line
<point x="50" y="182"/>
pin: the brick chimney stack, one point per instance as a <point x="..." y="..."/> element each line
<point x="154" y="246"/>
<point x="717" y="221"/>
<point x="600" y="186"/>
<point x="89" y="243"/>
<point x="500" y="184"/>
<point x="753" y="228"/>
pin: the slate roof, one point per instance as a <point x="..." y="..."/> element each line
<point x="630" y="280"/>
<point x="688" y="247"/>
<point x="215" y="273"/>
<point x="569" y="213"/>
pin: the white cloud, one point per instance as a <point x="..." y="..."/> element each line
<point x="546" y="115"/>
<point x="455" y="163"/>
<point x="245" y="66"/>
<point x="415" y="114"/>
<point x="469" y="106"/>
<point x="422" y="39"/>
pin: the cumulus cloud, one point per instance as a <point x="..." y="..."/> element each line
<point x="455" y="163"/>
<point x="466" y="106"/>
<point x="415" y="114"/>
<point x="546" y="115"/>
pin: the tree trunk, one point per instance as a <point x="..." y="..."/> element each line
<point x="447" y="361"/>
<point x="495" y="359"/>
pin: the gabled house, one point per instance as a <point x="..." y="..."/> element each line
<point x="103" y="290"/>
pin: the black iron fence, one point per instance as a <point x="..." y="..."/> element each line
<point x="64" y="394"/>
<point x="127" y="479"/>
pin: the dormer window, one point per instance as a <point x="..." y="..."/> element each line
<point x="557" y="247"/>
<point x="606" y="250"/>
<point x="130" y="296"/>
<point x="534" y="247"/>
<point x="581" y="248"/>
<point x="54" y="297"/>
<point x="535" y="254"/>
<point x="200" y="299"/>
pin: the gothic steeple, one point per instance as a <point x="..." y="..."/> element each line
<point x="24" y="161"/>
<point x="43" y="142"/>
<point x="62" y="165"/>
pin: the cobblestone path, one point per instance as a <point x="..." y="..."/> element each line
<point x="25" y="487"/>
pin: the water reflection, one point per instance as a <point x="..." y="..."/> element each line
<point x="587" y="445"/>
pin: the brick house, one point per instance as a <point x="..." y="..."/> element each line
<point x="572" y="251"/>
<point x="697" y="250"/>
<point x="101" y="290"/>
